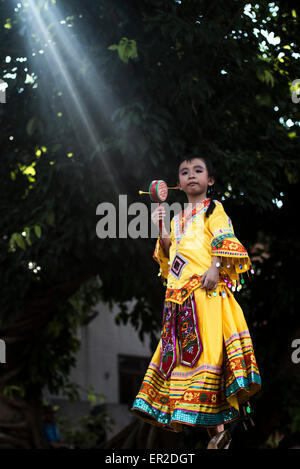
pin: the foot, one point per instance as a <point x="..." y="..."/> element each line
<point x="221" y="440"/>
<point x="215" y="430"/>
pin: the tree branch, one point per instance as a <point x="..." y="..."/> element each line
<point x="14" y="426"/>
<point x="12" y="401"/>
<point x="13" y="441"/>
<point x="11" y="374"/>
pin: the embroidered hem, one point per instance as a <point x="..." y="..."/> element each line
<point x="204" y="396"/>
<point x="181" y="417"/>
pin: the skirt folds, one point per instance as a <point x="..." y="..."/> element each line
<point x="209" y="392"/>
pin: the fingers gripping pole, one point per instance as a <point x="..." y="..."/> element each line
<point x="158" y="191"/>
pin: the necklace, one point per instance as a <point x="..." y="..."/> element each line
<point x="181" y="222"/>
<point x="189" y="215"/>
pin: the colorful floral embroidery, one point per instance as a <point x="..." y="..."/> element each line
<point x="199" y="396"/>
<point x="168" y="340"/>
<point x="225" y="247"/>
<point x="164" y="400"/>
<point x="218" y="240"/>
<point x="181" y="294"/>
<point x="181" y="321"/>
<point x="222" y="243"/>
<point x="188" y="396"/>
<point x="189" y="337"/>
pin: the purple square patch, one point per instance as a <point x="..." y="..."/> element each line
<point x="178" y="264"/>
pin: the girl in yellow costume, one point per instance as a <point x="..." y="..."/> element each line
<point x="204" y="365"/>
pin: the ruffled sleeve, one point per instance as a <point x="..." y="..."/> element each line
<point x="224" y="243"/>
<point x="160" y="256"/>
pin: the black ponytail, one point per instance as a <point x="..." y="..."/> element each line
<point x="211" y="194"/>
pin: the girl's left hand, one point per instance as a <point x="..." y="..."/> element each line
<point x="209" y="279"/>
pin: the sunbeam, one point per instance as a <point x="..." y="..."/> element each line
<point x="69" y="47"/>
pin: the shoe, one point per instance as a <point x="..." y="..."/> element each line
<point x="220" y="441"/>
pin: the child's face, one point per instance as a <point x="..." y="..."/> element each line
<point x="193" y="177"/>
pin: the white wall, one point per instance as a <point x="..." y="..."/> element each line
<point x="101" y="342"/>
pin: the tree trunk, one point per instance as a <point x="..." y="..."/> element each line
<point x="21" y="420"/>
<point x="21" y="424"/>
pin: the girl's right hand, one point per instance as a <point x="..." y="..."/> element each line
<point x="158" y="214"/>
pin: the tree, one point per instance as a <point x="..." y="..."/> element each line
<point x="114" y="93"/>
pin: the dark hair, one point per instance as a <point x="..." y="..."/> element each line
<point x="211" y="191"/>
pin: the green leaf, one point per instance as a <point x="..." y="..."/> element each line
<point x="31" y="126"/>
<point x="9" y="390"/>
<point x="38" y="231"/>
<point x="266" y="76"/>
<point x="127" y="49"/>
<point x="113" y="47"/>
<point x="92" y="398"/>
<point x="20" y="241"/>
<point x="27" y="237"/>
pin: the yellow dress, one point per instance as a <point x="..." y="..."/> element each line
<point x="204" y="365"/>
